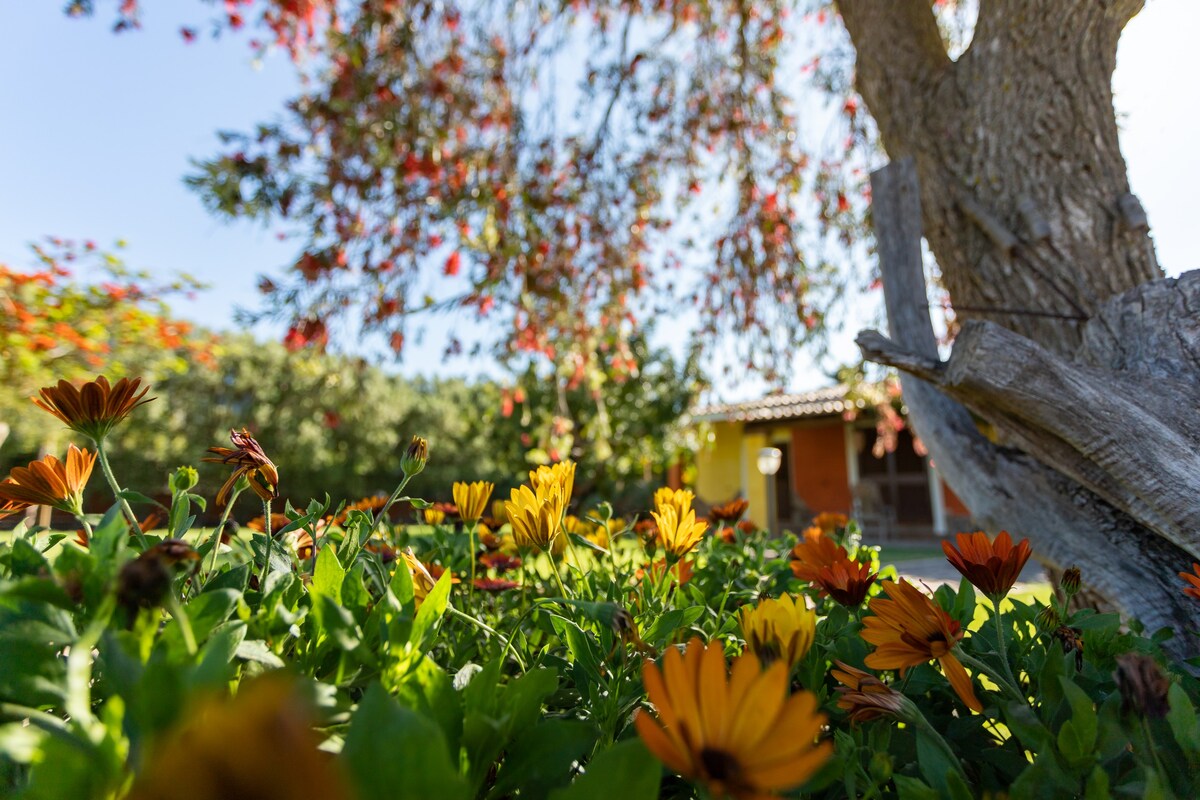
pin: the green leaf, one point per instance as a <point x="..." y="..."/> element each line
<point x="913" y="789"/>
<point x="26" y="561"/>
<point x="1083" y="722"/>
<point x="431" y="610"/>
<point x="257" y="650"/>
<point x="395" y="752"/>
<point x="137" y="498"/>
<point x="583" y="650"/>
<point x="329" y="574"/>
<point x="1183" y="722"/>
<point x="626" y="770"/>
<point x="541" y="757"/>
<point x="216" y="659"/>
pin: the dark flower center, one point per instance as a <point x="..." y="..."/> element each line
<point x="721" y="766"/>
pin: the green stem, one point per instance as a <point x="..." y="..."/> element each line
<point x="508" y="645"/>
<point x="106" y="468"/>
<point x="923" y="725"/>
<point x="87" y="529"/>
<point x="382" y="513"/>
<point x="266" y="571"/>
<point x="181" y="619"/>
<point x="216" y="534"/>
<point x="79" y="666"/>
<point x="1003" y="649"/>
<point x="471" y="554"/>
<point x="999" y="679"/>
<point x="554" y="569"/>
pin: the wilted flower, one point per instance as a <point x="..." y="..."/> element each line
<point x="829" y="521"/>
<point x="908" y="629"/>
<point x="94" y="408"/>
<point x="423" y="581"/>
<point x="259" y="744"/>
<point x="741" y="735"/>
<point x="864" y="697"/>
<point x="49" y="482"/>
<point x="1193" y="580"/>
<point x="1071" y="640"/>
<point x="145" y="581"/>
<point x="729" y="513"/>
<point x="778" y="630"/>
<point x="472" y="498"/>
<point x="251" y="462"/>
<point x="495" y="584"/>
<point x="1143" y="686"/>
<point x="677" y="534"/>
<point x="415" y="457"/>
<point x="434" y="516"/>
<point x="535" y="514"/>
<point x="992" y="567"/>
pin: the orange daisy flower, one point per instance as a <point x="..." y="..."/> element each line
<point x="740" y="733"/>
<point x="846" y="581"/>
<point x="992" y="567"/>
<point x="251" y="462"/>
<point x="864" y="697"/>
<point x="94" y="408"/>
<point x="910" y="629"/>
<point x="829" y="521"/>
<point x="1193" y="589"/>
<point x="49" y="482"/>
<point x="815" y="552"/>
<point x="730" y="512"/>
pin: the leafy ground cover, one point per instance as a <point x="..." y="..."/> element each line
<point x="529" y="648"/>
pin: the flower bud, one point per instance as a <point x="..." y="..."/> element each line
<point x="414" y="458"/>
<point x="183" y="479"/>
<point x="1070" y="581"/>
<point x="1047" y="618"/>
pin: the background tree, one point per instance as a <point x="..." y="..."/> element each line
<point x="80" y="310"/>
<point x="437" y="136"/>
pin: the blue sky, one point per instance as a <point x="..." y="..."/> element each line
<point x="98" y="129"/>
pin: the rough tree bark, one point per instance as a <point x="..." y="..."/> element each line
<point x="1073" y="347"/>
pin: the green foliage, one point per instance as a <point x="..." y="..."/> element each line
<point x="422" y="687"/>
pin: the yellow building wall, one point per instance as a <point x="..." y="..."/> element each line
<point x="756" y="482"/>
<point x="719" y="463"/>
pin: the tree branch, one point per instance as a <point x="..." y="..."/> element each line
<point x="899" y="48"/>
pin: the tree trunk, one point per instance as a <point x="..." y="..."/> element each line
<point x="1022" y="178"/>
<point x="1075" y="350"/>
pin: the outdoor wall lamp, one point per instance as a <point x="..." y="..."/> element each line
<point x="769" y="460"/>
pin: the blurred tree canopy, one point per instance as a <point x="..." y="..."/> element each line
<point x="338" y="424"/>
<point x="80" y="309"/>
